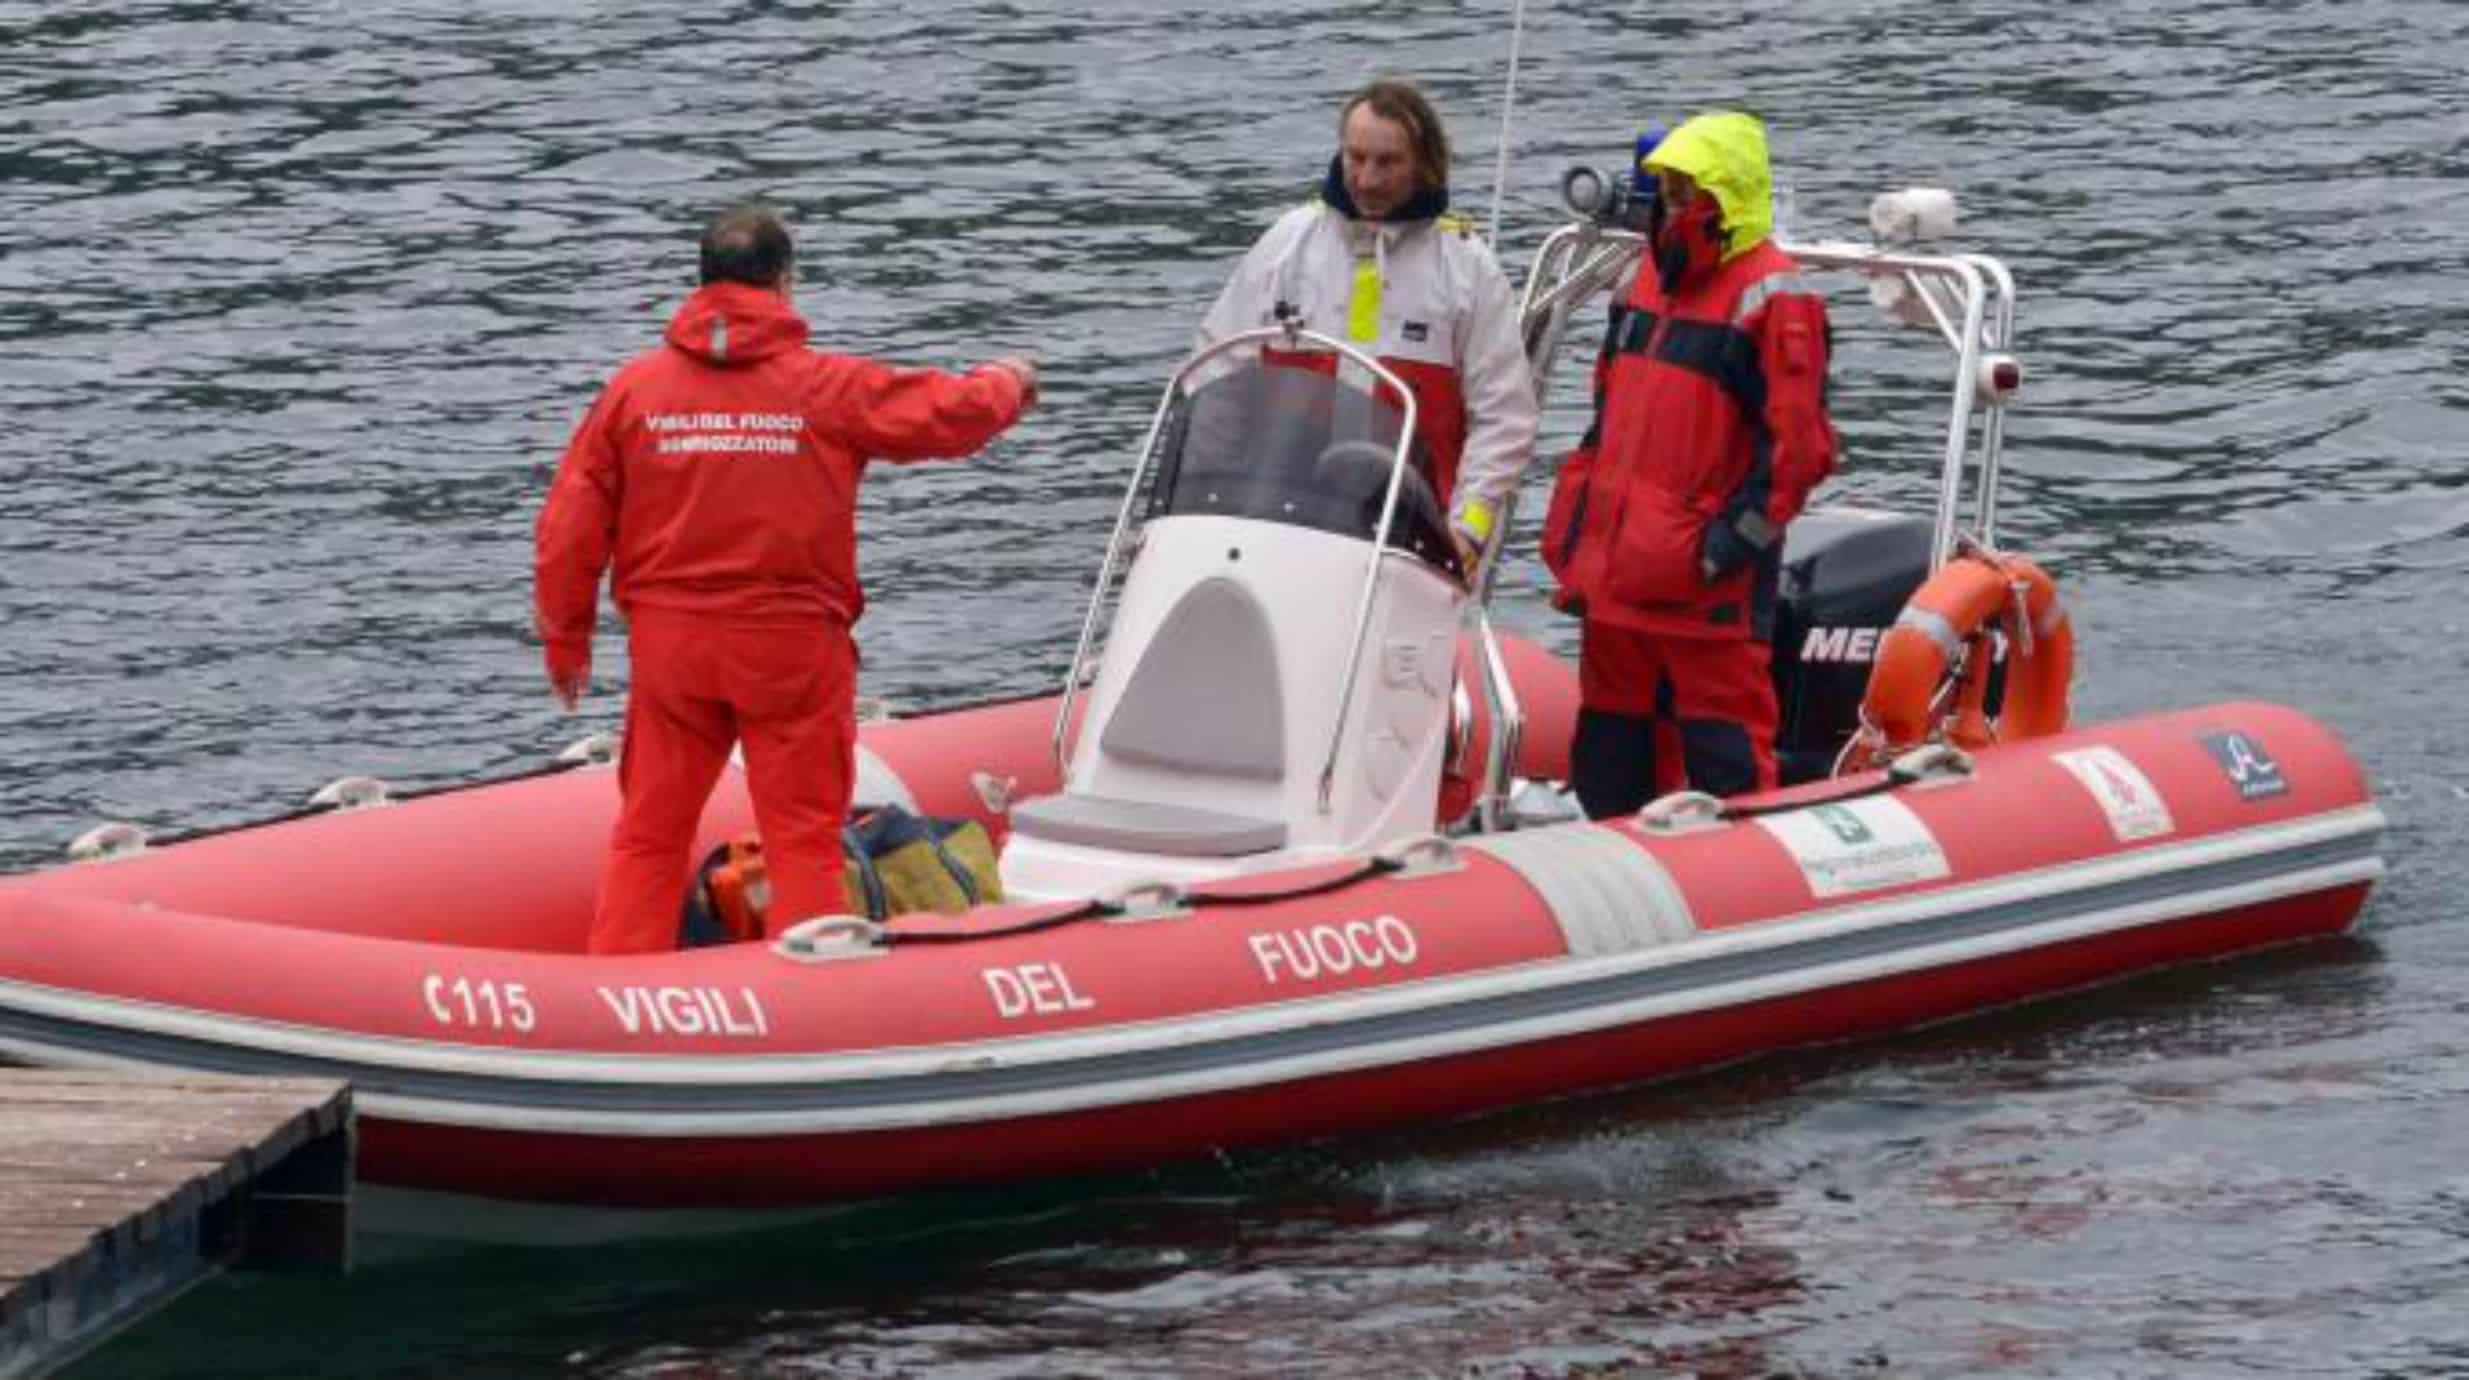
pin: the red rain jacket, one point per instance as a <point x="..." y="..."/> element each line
<point x="720" y="470"/>
<point x="1710" y="433"/>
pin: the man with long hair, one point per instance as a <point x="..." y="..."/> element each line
<point x="1377" y="260"/>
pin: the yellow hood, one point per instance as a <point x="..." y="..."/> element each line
<point x="1724" y="152"/>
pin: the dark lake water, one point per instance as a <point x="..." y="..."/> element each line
<point x="298" y="303"/>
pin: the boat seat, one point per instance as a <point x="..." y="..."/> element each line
<point x="1143" y="826"/>
<point x="1204" y="698"/>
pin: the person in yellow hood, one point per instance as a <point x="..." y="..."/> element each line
<point x="1665" y="530"/>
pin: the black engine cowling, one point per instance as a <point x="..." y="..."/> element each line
<point x="1846" y="574"/>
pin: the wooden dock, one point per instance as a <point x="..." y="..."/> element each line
<point x="119" y="1191"/>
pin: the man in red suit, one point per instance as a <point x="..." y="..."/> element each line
<point x="718" y="475"/>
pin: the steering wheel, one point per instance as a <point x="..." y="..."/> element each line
<point x="1340" y="453"/>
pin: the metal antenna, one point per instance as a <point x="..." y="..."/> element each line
<point x="1508" y="105"/>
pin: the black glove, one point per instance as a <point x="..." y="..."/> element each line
<point x="1732" y="541"/>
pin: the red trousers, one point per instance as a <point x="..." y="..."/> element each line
<point x="1658" y="711"/>
<point x="702" y="685"/>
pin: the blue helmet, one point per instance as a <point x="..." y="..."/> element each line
<point x="1642" y="184"/>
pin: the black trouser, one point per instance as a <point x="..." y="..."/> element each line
<point x="1612" y="758"/>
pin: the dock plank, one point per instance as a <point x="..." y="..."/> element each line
<point x="119" y="1190"/>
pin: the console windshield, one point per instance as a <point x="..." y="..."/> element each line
<point x="1294" y="444"/>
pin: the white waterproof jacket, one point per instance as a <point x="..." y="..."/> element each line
<point x="1425" y="298"/>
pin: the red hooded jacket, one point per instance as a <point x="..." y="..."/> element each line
<point x="720" y="471"/>
<point x="1710" y="410"/>
<point x="1711" y="432"/>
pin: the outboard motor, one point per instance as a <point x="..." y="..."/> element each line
<point x="1276" y="682"/>
<point x="1846" y="575"/>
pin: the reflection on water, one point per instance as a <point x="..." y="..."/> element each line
<point x="297" y="304"/>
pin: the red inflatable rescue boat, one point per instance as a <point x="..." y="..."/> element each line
<point x="1241" y="911"/>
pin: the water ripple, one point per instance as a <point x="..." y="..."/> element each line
<point x="298" y="303"/>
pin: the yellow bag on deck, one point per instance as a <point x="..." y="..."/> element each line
<point x="925" y="864"/>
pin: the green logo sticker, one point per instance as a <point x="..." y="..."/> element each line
<point x="1842" y="823"/>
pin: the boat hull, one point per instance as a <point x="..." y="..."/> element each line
<point x="1004" y="1045"/>
<point x="763" y="1171"/>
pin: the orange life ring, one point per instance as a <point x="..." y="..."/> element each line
<point x="1930" y="681"/>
